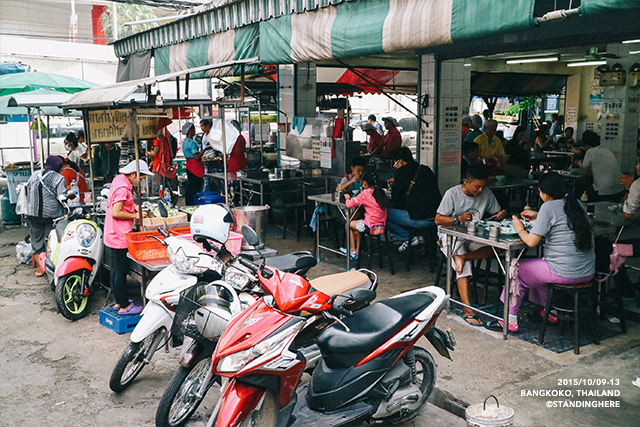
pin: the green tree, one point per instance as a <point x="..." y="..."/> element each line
<point x="525" y="103"/>
<point x="127" y="13"/>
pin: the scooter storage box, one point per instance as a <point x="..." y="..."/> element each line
<point x="115" y="322"/>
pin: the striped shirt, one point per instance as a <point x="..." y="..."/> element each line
<point x="53" y="184"/>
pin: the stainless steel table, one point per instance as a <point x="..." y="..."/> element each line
<point x="329" y="199"/>
<point x="247" y="193"/>
<point x="510" y="182"/>
<point x="509" y="244"/>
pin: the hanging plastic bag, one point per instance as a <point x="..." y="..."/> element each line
<point x="21" y="204"/>
<point x="24" y="252"/>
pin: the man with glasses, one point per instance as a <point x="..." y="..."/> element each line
<point x="464" y="203"/>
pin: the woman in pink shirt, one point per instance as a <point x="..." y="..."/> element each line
<point x="121" y="211"/>
<point x="375" y="202"/>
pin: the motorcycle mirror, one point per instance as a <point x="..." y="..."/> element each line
<point x="250" y="236"/>
<point x="164" y="213"/>
<point x="62" y="198"/>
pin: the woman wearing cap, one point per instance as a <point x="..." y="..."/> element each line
<point x="43" y="189"/>
<point x="393" y="139"/>
<point x="195" y="167"/>
<point x="237" y="159"/>
<point x="121" y="211"/>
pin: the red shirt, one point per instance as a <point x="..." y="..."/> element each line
<point x="465" y="130"/>
<point x="71" y="175"/>
<point x="237" y="159"/>
<point x="392" y="142"/>
<point x="115" y="229"/>
<point x="376" y="143"/>
<point x="166" y="154"/>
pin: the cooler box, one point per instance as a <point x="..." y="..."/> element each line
<point x="208" y="198"/>
<point x="118" y="324"/>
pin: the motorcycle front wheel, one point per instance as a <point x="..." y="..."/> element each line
<point x="132" y="361"/>
<point x="72" y="296"/>
<point x="180" y="399"/>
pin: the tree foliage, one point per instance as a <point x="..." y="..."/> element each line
<point x="127" y="13"/>
<point x="524" y="103"/>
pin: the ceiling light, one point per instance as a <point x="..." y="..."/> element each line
<point x="532" y="60"/>
<point x="635" y="52"/>
<point x="586" y="63"/>
<point x="469" y="64"/>
<point x="631" y="41"/>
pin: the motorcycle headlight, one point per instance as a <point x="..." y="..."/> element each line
<point x="236" y="361"/>
<point x="236" y="278"/>
<point x="184" y="263"/>
<point x="86" y="234"/>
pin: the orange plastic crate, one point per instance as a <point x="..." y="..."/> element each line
<point x="145" y="248"/>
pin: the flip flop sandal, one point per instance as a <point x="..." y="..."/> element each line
<point x="474" y="317"/>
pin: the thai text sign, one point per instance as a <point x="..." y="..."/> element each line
<point x="113" y="125"/>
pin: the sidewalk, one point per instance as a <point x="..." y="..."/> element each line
<point x="512" y="370"/>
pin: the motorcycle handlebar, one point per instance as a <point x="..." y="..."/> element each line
<point x="163" y="232"/>
<point x="158" y="239"/>
<point x="267" y="274"/>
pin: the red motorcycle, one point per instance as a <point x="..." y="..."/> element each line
<point x="370" y="369"/>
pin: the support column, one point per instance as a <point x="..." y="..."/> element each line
<point x="447" y="85"/>
<point x="620" y="112"/>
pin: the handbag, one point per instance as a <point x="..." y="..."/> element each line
<point x="619" y="254"/>
<point x="165" y="169"/>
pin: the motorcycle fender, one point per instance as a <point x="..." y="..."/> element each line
<point x="189" y="353"/>
<point x="71" y="264"/>
<point x="154" y="317"/>
<point x="440" y="341"/>
<point x="236" y="403"/>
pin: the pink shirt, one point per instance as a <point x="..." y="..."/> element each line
<point x="115" y="229"/>
<point x="373" y="213"/>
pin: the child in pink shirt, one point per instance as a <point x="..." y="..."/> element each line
<point x="375" y="202"/>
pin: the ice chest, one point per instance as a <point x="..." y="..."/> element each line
<point x="117" y="323"/>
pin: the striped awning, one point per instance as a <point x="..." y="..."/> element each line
<point x="230" y="16"/>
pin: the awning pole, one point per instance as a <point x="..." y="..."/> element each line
<point x="224" y="156"/>
<point x="40" y="137"/>
<point x="261" y="138"/>
<point x="87" y="135"/>
<point x="48" y="135"/>
<point x="31" y="149"/>
<point x="134" y="130"/>
<point x="242" y="83"/>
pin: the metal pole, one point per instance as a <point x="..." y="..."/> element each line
<point x="87" y="135"/>
<point x="134" y="129"/>
<point x="30" y="138"/>
<point x="40" y="136"/>
<point x="48" y="135"/>
<point x="224" y="156"/>
<point x="261" y="138"/>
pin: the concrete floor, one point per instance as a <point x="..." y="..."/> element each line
<point x="56" y="372"/>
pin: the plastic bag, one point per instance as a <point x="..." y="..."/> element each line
<point x="24" y="252"/>
<point x="21" y="205"/>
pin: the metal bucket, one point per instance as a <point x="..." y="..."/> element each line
<point x="255" y="217"/>
<point x="480" y="415"/>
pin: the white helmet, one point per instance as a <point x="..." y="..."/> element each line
<point x="212" y="222"/>
<point x="219" y="303"/>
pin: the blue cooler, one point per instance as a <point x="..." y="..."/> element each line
<point x="208" y="198"/>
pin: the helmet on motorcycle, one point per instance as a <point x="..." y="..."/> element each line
<point x="212" y="222"/>
<point x="217" y="305"/>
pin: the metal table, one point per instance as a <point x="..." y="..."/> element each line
<point x="510" y="182"/>
<point x="153" y="266"/>
<point x="329" y="199"/>
<point x="247" y="192"/>
<point x="508" y="244"/>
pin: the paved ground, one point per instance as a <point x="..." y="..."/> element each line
<point x="56" y="372"/>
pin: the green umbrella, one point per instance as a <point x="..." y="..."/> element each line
<point x="25" y="82"/>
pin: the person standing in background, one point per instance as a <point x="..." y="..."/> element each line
<point x="195" y="167"/>
<point x="373" y="122"/>
<point x="476" y="124"/>
<point x="393" y="138"/>
<point x="376" y="141"/>
<point x="237" y="158"/>
<point x="76" y="151"/>
<point x="602" y="164"/>
<point x="106" y="160"/>
<point x="466" y="126"/>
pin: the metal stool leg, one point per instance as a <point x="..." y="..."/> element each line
<point x="389" y="254"/>
<point x="576" y="323"/>
<point x="592" y="294"/>
<point x="545" y="319"/>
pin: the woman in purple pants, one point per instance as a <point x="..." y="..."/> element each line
<point x="569" y="255"/>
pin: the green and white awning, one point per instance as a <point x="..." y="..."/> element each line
<point x="362" y="28"/>
<point x="231" y="45"/>
<point x="230" y="16"/>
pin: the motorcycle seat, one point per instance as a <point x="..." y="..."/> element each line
<point x="369" y="329"/>
<point x="293" y="262"/>
<point x="340" y="282"/>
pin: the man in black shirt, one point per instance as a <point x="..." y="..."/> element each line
<point x="106" y="159"/>
<point x="414" y="198"/>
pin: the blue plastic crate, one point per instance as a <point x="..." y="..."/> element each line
<point x="119" y="324"/>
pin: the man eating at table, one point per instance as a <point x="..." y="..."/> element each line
<point x="463" y="203"/>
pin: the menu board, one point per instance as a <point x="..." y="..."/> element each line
<point x="112" y="125"/>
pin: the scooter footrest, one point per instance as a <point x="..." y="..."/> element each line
<point x="306" y="417"/>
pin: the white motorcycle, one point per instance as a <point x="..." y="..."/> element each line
<point x="71" y="261"/>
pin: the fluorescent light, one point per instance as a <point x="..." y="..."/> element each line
<point x="631" y="41"/>
<point x="586" y="63"/>
<point x="532" y="60"/>
<point x="469" y="65"/>
<point x="635" y="52"/>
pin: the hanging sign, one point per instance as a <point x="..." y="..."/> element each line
<point x="113" y="125"/>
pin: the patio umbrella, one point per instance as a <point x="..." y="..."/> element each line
<point x="25" y="82"/>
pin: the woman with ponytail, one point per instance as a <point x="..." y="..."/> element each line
<point x="569" y="255"/>
<point x="375" y="202"/>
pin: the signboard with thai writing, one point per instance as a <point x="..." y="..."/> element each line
<point x="113" y="125"/>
